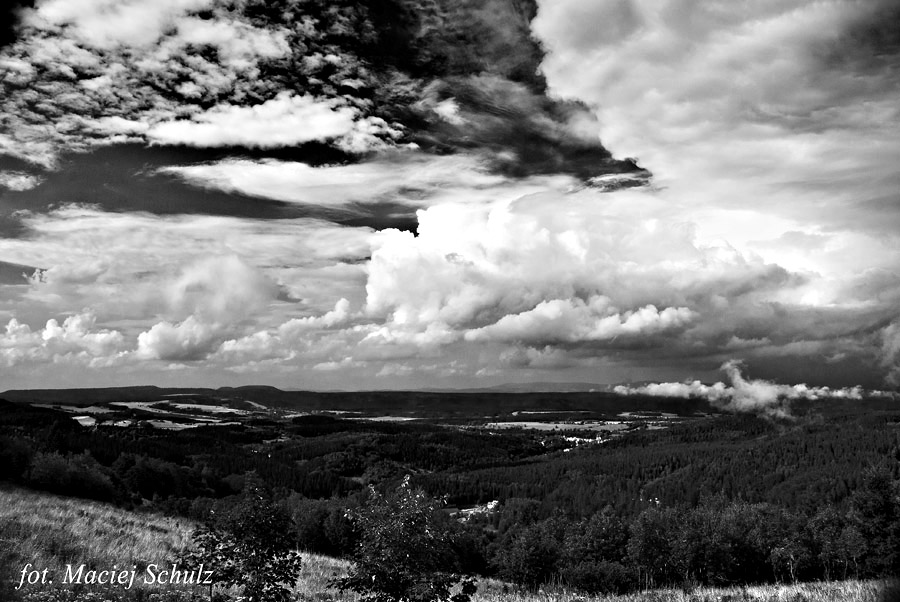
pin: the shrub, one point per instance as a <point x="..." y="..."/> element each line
<point x="405" y="551"/>
<point x="252" y="546"/>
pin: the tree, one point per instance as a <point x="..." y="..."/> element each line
<point x="530" y="555"/>
<point x="251" y="545"/>
<point x="592" y="555"/>
<point x="875" y="512"/>
<point x="653" y="546"/>
<point x="405" y="551"/>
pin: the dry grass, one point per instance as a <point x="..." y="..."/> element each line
<point x="317" y="570"/>
<point x="51" y="531"/>
<point x="838" y="591"/>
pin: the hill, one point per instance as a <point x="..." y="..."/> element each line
<point x="51" y="531"/>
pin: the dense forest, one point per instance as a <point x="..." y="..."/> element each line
<point x="719" y="499"/>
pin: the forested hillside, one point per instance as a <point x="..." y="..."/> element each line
<point x="718" y="499"/>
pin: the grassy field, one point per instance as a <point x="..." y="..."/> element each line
<point x="51" y="531"/>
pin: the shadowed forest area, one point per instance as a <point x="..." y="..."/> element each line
<point x="719" y="500"/>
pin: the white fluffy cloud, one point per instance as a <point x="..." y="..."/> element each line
<point x="754" y="396"/>
<point x="407" y="177"/>
<point x="239" y="45"/>
<point x="213" y="296"/>
<point x="220" y="290"/>
<point x="283" y="121"/>
<point x="18" y="181"/>
<point x="188" y="340"/>
<point x="576" y="321"/>
<point x="76" y="339"/>
<point x="605" y="266"/>
<point x="111" y="23"/>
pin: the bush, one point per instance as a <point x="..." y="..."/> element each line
<point x="405" y="551"/>
<point x="252" y="546"/>
<point x="599" y="577"/>
<point x="79" y="476"/>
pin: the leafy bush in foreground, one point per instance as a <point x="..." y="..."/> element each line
<point x="251" y="546"/>
<point x="405" y="551"/>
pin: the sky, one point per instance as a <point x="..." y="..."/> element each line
<point x="674" y="196"/>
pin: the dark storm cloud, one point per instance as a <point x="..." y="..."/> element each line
<point x="369" y="75"/>
<point x="870" y="42"/>
<point x="10" y="14"/>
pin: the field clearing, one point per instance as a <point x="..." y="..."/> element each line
<point x="599" y="426"/>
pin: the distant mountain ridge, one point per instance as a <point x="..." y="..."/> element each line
<point x="459" y="403"/>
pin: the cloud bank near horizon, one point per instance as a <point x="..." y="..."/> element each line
<point x="748" y="396"/>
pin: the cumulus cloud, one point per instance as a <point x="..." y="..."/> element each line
<point x="625" y="269"/>
<point x="336" y="317"/>
<point x="184" y="341"/>
<point x="744" y="395"/>
<point x="111" y="23"/>
<point x="239" y="44"/>
<point x="220" y="289"/>
<point x="75" y="340"/>
<point x="576" y="320"/>
<point x="213" y="295"/>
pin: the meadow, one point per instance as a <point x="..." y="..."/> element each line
<point x="50" y="531"/>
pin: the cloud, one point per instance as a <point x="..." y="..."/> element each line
<point x="890" y="352"/>
<point x="213" y="296"/>
<point x="673" y="80"/>
<point x="109" y="23"/>
<point x="336" y="317"/>
<point x="19" y="181"/>
<point x="10" y="15"/>
<point x="75" y="340"/>
<point x="105" y="72"/>
<point x="738" y="107"/>
<point x="745" y="396"/>
<point x="773" y="127"/>
<point x="577" y="321"/>
<point x="134" y="265"/>
<point x="239" y="44"/>
<point x="408" y="177"/>
<point x="185" y="341"/>
<point x="285" y="120"/>
<point x="528" y="271"/>
<point x="220" y="290"/>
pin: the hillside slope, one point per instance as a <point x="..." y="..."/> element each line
<point x="51" y="531"/>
